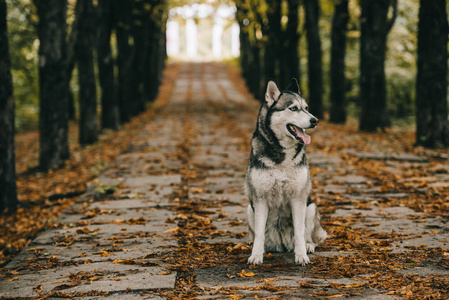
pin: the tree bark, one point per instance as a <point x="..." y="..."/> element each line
<point x="255" y="70"/>
<point x="53" y="115"/>
<point x="155" y="57"/>
<point x="272" y="46"/>
<point x="375" y="27"/>
<point x="88" y="123"/>
<point x="315" y="82"/>
<point x="338" y="50"/>
<point x="109" y="100"/>
<point x="162" y="41"/>
<point x="71" y="45"/>
<point x="8" y="189"/>
<point x="139" y="31"/>
<point x="289" y="60"/>
<point x="432" y="128"/>
<point x="122" y="16"/>
<point x="244" y="37"/>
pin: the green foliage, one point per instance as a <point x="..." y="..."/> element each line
<point x="24" y="46"/>
<point x="400" y="64"/>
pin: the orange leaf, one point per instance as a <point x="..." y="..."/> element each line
<point x="244" y="274"/>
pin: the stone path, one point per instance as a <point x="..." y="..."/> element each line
<point x="180" y="188"/>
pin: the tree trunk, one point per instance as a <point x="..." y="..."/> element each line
<point x="375" y="27"/>
<point x="290" y="59"/>
<point x="109" y="100"/>
<point x="432" y="128"/>
<point x="255" y="70"/>
<point x="122" y="12"/>
<point x="8" y="190"/>
<point x="311" y="8"/>
<point x="139" y="31"/>
<point x="71" y="45"/>
<point x="88" y="125"/>
<point x="273" y="44"/>
<point x="245" y="50"/>
<point x="245" y="44"/>
<point x="338" y="50"/>
<point x="162" y="42"/>
<point x="155" y="58"/>
<point x="53" y="114"/>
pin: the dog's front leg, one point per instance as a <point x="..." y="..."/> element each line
<point x="299" y="219"/>
<point x="260" y="215"/>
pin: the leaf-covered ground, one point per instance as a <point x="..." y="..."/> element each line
<point x="44" y="196"/>
<point x="172" y="206"/>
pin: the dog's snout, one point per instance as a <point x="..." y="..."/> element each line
<point x="314" y="121"/>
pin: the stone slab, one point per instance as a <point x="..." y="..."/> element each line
<point x="133" y="277"/>
<point x="101" y="232"/>
<point x="134" y="181"/>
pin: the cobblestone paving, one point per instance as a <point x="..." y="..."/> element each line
<point x="122" y="239"/>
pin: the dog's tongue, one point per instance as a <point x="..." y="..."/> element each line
<point x="300" y="133"/>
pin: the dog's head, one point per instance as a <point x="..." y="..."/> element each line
<point x="287" y="113"/>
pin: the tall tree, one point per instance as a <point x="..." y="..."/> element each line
<point x="256" y="58"/>
<point x="109" y="101"/>
<point x="8" y="190"/>
<point x="375" y="26"/>
<point x="432" y="128"/>
<point x="53" y="114"/>
<point x="88" y="123"/>
<point x="162" y="17"/>
<point x="289" y="58"/>
<point x="338" y="50"/>
<point x="244" y="37"/>
<point x="138" y="28"/>
<point x="123" y="19"/>
<point x="71" y="47"/>
<point x="315" y="76"/>
<point x="273" y="36"/>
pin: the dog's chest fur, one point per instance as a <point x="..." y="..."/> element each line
<point x="278" y="181"/>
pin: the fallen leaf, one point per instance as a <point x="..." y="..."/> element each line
<point x="306" y="285"/>
<point x="86" y="230"/>
<point x="12" y="279"/>
<point x="244" y="274"/>
<point x="335" y="296"/>
<point x="166" y="272"/>
<point x="38" y="288"/>
<point x="173" y="229"/>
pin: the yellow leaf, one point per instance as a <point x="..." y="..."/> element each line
<point x="12" y="279"/>
<point x="335" y="296"/>
<point x="166" y="272"/>
<point x="105" y="253"/>
<point x="244" y="274"/>
<point x="173" y="229"/>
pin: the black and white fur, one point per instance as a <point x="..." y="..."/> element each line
<point x="281" y="215"/>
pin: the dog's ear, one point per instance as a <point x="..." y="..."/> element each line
<point x="272" y="94"/>
<point x="293" y="86"/>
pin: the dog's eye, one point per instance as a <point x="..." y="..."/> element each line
<point x="307" y="108"/>
<point x="294" y="108"/>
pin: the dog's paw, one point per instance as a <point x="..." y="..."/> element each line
<point x="255" y="259"/>
<point x="302" y="259"/>
<point x="310" y="247"/>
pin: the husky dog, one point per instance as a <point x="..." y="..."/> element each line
<point x="281" y="215"/>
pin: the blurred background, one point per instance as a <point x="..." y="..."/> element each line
<point x="209" y="30"/>
<point x="356" y="60"/>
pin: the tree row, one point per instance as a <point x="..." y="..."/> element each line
<point x="124" y="39"/>
<point x="270" y="42"/>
